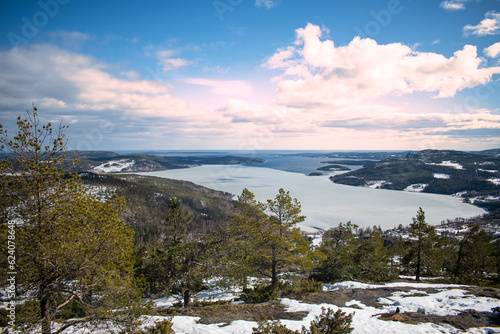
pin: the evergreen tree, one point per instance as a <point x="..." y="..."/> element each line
<point x="474" y="255"/>
<point x="172" y="264"/>
<point x="421" y="251"/>
<point x="260" y="245"/>
<point x="350" y="256"/>
<point x="285" y="246"/>
<point x="340" y="245"/>
<point x="73" y="255"/>
<point x="373" y="258"/>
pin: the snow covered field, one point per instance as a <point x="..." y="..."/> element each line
<point x="448" y="300"/>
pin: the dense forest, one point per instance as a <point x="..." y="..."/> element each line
<point x="472" y="176"/>
<point x="95" y="248"/>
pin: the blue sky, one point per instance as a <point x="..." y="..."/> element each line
<point x="256" y="74"/>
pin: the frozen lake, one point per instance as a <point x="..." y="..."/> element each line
<point x="324" y="203"/>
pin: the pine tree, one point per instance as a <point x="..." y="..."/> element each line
<point x="73" y="255"/>
<point x="474" y="255"/>
<point x="373" y="258"/>
<point x="340" y="245"/>
<point x="172" y="264"/>
<point x="263" y="245"/>
<point x="422" y="249"/>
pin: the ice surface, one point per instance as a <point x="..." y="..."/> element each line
<point x="324" y="203"/>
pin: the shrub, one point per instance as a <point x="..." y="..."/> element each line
<point x="261" y="293"/>
<point x="331" y="323"/>
<point x="272" y="327"/>
<point x="304" y="286"/>
<point x="160" y="327"/>
<point x="328" y="322"/>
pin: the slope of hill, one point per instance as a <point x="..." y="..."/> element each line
<point x="148" y="201"/>
<point x="474" y="176"/>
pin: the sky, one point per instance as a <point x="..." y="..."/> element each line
<point x="256" y="74"/>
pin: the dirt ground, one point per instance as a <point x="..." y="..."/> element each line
<point x="274" y="310"/>
<point x="226" y="313"/>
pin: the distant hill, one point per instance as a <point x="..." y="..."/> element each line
<point x="473" y="176"/>
<point x="494" y="152"/>
<point x="111" y="162"/>
<point x="372" y="155"/>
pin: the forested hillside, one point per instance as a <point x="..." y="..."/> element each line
<point x="111" y="162"/>
<point x="148" y="200"/>
<point x="473" y="176"/>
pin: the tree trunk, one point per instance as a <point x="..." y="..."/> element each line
<point x="274" y="272"/>
<point x="419" y="261"/>
<point x="187" y="297"/>
<point x="459" y="260"/>
<point x="44" y="309"/>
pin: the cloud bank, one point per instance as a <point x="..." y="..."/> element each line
<point x="363" y="95"/>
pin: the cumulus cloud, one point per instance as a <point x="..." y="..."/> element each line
<point x="318" y="71"/>
<point x="343" y="87"/>
<point x="489" y="26"/>
<point x="493" y="51"/>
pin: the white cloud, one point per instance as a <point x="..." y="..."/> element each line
<point x="168" y="63"/>
<point x="323" y="87"/>
<point x="265" y="3"/>
<point x="453" y="5"/>
<point x="328" y="97"/>
<point x="326" y="73"/>
<point x="489" y="26"/>
<point x="493" y="51"/>
<point x="437" y="41"/>
<point x="66" y="84"/>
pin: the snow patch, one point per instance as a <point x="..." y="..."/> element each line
<point x="416" y="188"/>
<point x="441" y="176"/>
<point x="495" y="181"/>
<point x="377" y="184"/>
<point x="357" y="285"/>
<point x="451" y="164"/>
<point x="488" y="170"/>
<point x="451" y="301"/>
<point x="115" y="166"/>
